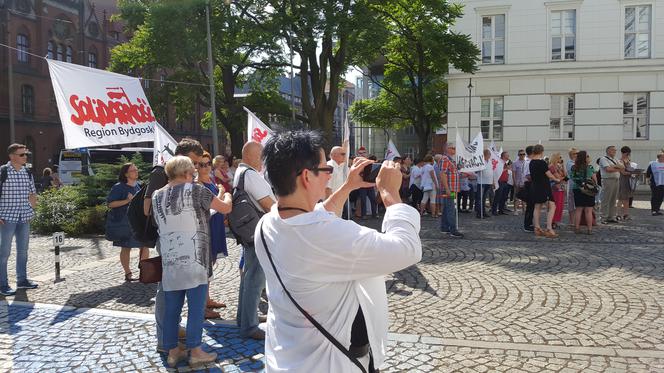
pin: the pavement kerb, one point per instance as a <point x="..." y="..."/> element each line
<point x="397" y="337"/>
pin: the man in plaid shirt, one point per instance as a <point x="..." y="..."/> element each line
<point x="17" y="201"/>
<point x="449" y="187"/>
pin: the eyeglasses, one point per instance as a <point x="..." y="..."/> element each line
<point x="21" y="155"/>
<point x="521" y="154"/>
<point x="204" y="164"/>
<point x="328" y="169"/>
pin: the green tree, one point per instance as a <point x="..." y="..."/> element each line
<point x="171" y="35"/>
<point x="328" y="36"/>
<point x="418" y="45"/>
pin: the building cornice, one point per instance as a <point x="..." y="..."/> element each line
<point x="498" y="9"/>
<point x="563" y="3"/>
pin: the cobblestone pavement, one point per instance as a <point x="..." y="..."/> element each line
<point x="499" y="300"/>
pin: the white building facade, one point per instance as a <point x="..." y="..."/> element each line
<point x="577" y="73"/>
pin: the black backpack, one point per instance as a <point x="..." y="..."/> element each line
<point x="244" y="217"/>
<point x="144" y="229"/>
<point x="4" y="174"/>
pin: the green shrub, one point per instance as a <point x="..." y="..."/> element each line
<point x="81" y="209"/>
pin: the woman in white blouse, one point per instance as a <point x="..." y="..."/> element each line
<point x="333" y="268"/>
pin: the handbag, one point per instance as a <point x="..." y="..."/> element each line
<point x="116" y="229"/>
<point x="150" y="270"/>
<point x="313" y="321"/>
<point x="588" y="186"/>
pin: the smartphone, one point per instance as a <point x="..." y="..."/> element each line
<point x="370" y="172"/>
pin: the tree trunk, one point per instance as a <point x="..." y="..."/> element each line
<point x="237" y="140"/>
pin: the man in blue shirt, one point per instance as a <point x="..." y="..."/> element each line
<point x="18" y="197"/>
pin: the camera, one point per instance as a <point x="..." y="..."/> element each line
<point x="370" y="172"/>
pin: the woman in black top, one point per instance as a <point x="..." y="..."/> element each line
<point x="540" y="192"/>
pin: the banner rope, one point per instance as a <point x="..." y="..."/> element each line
<point x="152" y="80"/>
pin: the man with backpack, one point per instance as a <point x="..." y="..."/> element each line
<point x="158" y="179"/>
<point x="259" y="193"/>
<point x="18" y="198"/>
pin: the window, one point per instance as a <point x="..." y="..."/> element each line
<point x="27" y="100"/>
<point x="50" y="50"/>
<point x="563" y="35"/>
<point x="561" y="124"/>
<point x="493" y="39"/>
<point x="70" y="52"/>
<point x="162" y="79"/>
<point x="635" y="116"/>
<point x="92" y="60"/>
<point x="146" y="83"/>
<point x="59" y="53"/>
<point x="22" y="44"/>
<point x="491" y="121"/>
<point x="637" y="31"/>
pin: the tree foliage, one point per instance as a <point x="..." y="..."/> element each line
<point x="418" y="45"/>
<point x="170" y="36"/>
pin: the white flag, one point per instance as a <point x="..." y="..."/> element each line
<point x="497" y="164"/>
<point x="346" y="140"/>
<point x="470" y="157"/>
<point x="99" y="107"/>
<point x="391" y="151"/>
<point x="164" y="146"/>
<point x="257" y="130"/>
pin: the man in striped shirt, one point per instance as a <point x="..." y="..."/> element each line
<point x="17" y="201"/>
<point x="449" y="187"/>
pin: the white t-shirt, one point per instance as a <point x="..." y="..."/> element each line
<point x="428" y="183"/>
<point x="254" y="184"/>
<point x="339" y="175"/>
<point x="605" y="162"/>
<point x="416" y="176"/>
<point x="657" y="170"/>
<point x="486" y="176"/>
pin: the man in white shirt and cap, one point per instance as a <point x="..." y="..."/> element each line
<point x="333" y="269"/>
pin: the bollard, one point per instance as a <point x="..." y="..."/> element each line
<point x="58" y="239"/>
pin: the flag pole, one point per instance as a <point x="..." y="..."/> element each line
<point x="456" y="164"/>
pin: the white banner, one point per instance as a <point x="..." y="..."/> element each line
<point x="164" y="146"/>
<point x="470" y="157"/>
<point x="98" y="107"/>
<point x="391" y="151"/>
<point x="257" y="130"/>
<point x="497" y="163"/>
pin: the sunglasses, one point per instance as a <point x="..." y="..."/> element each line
<point x="328" y="169"/>
<point x="521" y="155"/>
<point x="204" y="164"/>
<point x="21" y="155"/>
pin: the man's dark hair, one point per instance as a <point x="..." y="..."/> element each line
<point x="287" y="154"/>
<point x="502" y="154"/>
<point x="529" y="150"/>
<point x="625" y="149"/>
<point x="14" y="147"/>
<point x="187" y="145"/>
<point x="396" y="159"/>
<point x="122" y="175"/>
<point x="609" y="147"/>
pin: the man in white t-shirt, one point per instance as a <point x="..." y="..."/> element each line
<point x="416" y="183"/>
<point x="252" y="282"/>
<point x="340" y="173"/>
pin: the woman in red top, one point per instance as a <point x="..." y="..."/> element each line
<point x="557" y="168"/>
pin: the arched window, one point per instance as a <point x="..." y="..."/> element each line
<point x="70" y="52"/>
<point x="50" y="47"/>
<point x="23" y="45"/>
<point x="60" y="52"/>
<point x="92" y="59"/>
<point x="27" y="99"/>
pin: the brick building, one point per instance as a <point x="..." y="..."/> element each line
<point x="76" y="31"/>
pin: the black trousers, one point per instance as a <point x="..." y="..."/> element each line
<point x="416" y="195"/>
<point x="657" y="197"/>
<point x="530" y="207"/>
<point x="462" y="199"/>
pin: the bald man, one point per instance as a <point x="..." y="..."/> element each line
<point x="340" y="173"/>
<point x="252" y="282"/>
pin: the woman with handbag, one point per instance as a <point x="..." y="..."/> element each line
<point x="584" y="189"/>
<point x="181" y="210"/>
<point x="118" y="229"/>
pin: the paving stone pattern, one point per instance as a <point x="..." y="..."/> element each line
<point x="499" y="300"/>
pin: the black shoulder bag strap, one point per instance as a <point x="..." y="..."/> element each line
<point x="318" y="326"/>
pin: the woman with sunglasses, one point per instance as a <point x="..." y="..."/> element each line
<point x="217" y="230"/>
<point x="181" y="210"/>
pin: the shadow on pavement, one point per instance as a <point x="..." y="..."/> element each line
<point x="132" y="293"/>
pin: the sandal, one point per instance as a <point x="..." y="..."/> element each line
<point x="539" y="231"/>
<point x="626" y="218"/>
<point x="129" y="278"/>
<point x="214" y="304"/>
<point x="550" y="234"/>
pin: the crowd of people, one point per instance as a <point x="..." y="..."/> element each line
<point x="322" y="271"/>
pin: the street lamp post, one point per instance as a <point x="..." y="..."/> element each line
<point x="213" y="109"/>
<point x="470" y="90"/>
